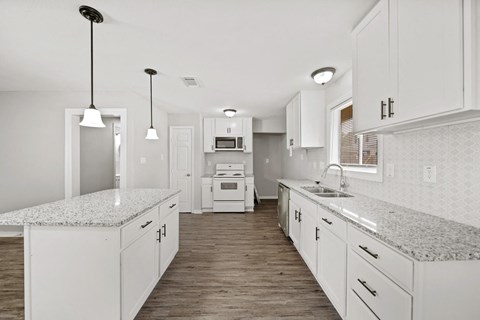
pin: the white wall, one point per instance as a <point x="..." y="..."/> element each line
<point x="265" y="146"/>
<point x="32" y="144"/>
<point x="195" y="121"/>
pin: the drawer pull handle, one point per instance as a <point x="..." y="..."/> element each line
<point x="299" y="216"/>
<point x="390" y="108"/>
<point x="382" y="106"/>
<point x="173" y="205"/>
<point x="327" y="221"/>
<point x="146" y="224"/>
<point x="316" y="233"/>
<point x="159" y="236"/>
<point x="366" y="286"/>
<point x="296" y="215"/>
<point x="164" y="230"/>
<point x="368" y="251"/>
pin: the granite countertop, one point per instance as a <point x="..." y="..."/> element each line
<point x="419" y="235"/>
<point x="108" y="208"/>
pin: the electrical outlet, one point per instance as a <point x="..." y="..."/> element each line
<point x="390" y="170"/>
<point x="143" y="160"/>
<point x="267" y="160"/>
<point x="430" y="174"/>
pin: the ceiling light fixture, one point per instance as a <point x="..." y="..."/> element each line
<point x="323" y="75"/>
<point x="229" y="112"/>
<point x="151" y="132"/>
<point x="91" y="116"/>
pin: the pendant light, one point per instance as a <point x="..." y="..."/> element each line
<point x="91" y="116"/>
<point x="151" y="132"/>
<point x="322" y="76"/>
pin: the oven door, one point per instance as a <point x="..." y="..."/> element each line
<point x="228" y="189"/>
<point x="225" y="143"/>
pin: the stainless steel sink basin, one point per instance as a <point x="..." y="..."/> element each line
<point x="334" y="195"/>
<point x="318" y="190"/>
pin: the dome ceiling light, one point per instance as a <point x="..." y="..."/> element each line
<point x="229" y="112"/>
<point x="323" y="75"/>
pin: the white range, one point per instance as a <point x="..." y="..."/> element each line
<point x="229" y="188"/>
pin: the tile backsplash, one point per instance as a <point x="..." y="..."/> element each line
<point x="454" y="150"/>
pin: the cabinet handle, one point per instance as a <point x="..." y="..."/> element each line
<point x="390" y="107"/>
<point x="146" y="224"/>
<point x="366" y="286"/>
<point x="164" y="230"/>
<point x="173" y="205"/>
<point x="245" y="188"/>
<point x="300" y="216"/>
<point x="368" y="251"/>
<point x="316" y="233"/>
<point x="212" y="147"/>
<point x="211" y="189"/>
<point x="296" y="212"/>
<point x="159" y="236"/>
<point x="291" y="142"/>
<point x="382" y="109"/>
<point x="327" y="221"/>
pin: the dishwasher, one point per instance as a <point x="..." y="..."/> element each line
<point x="282" y="209"/>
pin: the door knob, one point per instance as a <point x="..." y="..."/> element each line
<point x="188" y="174"/>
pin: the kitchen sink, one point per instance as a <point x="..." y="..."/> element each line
<point x="333" y="195"/>
<point x="318" y="190"/>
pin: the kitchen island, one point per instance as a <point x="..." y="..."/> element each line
<point x="96" y="256"/>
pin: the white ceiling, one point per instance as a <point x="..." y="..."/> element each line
<point x="250" y="54"/>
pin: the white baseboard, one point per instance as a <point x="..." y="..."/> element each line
<point x="197" y="211"/>
<point x="268" y="197"/>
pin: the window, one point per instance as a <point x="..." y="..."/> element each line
<point x="358" y="154"/>
<point x="355" y="150"/>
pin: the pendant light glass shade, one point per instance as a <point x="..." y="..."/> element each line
<point x="151" y="134"/>
<point x="92" y="118"/>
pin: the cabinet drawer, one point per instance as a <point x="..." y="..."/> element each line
<point x="357" y="309"/>
<point x="385" y="298"/>
<point x="168" y="206"/>
<point x="392" y="263"/>
<point x="303" y="203"/>
<point x="139" y="226"/>
<point x="332" y="223"/>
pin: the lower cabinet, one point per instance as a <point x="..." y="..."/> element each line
<point x="249" y="193"/>
<point x="357" y="310"/>
<point x="139" y="265"/>
<point x="207" y="194"/>
<point x="294" y="224"/>
<point x="169" y="239"/>
<point x="308" y="239"/>
<point x="332" y="268"/>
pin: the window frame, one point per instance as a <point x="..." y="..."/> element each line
<point x="357" y="172"/>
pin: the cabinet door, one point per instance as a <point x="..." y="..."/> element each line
<point x="249" y="195"/>
<point x="296" y="121"/>
<point x="207" y="196"/>
<point x="308" y="242"/>
<point x="289" y="118"/>
<point x="222" y="126"/>
<point x="332" y="268"/>
<point x="139" y="265"/>
<point x="208" y="133"/>
<point x="170" y="239"/>
<point x="357" y="310"/>
<point x="294" y="225"/>
<point x="247" y="135"/>
<point x="236" y="126"/>
<point x="429" y="57"/>
<point x="371" y="69"/>
<point x="228" y="127"/>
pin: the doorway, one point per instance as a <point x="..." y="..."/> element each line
<point x="181" y="165"/>
<point x="83" y="162"/>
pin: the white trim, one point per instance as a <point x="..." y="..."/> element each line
<point x="192" y="196"/>
<point x="268" y="197"/>
<point x="197" y="211"/>
<point x="69" y="114"/>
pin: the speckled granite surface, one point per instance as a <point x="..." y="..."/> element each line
<point x="108" y="208"/>
<point x="421" y="236"/>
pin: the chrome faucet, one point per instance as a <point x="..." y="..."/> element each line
<point x="343" y="182"/>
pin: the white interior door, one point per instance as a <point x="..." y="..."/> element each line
<point x="181" y="165"/>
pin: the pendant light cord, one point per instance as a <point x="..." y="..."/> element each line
<point x="151" y="104"/>
<point x="91" y="65"/>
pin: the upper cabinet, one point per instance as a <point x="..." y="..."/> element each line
<point x="227" y="127"/>
<point x="306" y="120"/>
<point x="410" y="64"/>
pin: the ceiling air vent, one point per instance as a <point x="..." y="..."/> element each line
<point x="191" y="82"/>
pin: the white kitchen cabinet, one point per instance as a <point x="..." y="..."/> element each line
<point x="247" y="135"/>
<point x="306" y="120"/>
<point x="308" y="238"/>
<point x="294" y="224"/>
<point x="249" y="194"/>
<point x="207" y="194"/>
<point x="332" y="268"/>
<point x="411" y="64"/>
<point x="357" y="309"/>
<point x="225" y="127"/>
<point x="208" y="135"/>
<point x="139" y="264"/>
<point x="169" y="239"/>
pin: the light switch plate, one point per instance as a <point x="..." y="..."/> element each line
<point x="430" y="174"/>
<point x="390" y="170"/>
<point x="267" y="160"/>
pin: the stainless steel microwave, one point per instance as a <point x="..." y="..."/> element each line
<point x="229" y="144"/>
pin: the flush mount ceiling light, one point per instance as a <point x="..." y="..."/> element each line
<point x="322" y="76"/>
<point x="229" y="112"/>
<point x="91" y="116"/>
<point x="151" y="132"/>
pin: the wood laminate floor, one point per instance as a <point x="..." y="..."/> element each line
<point x="230" y="266"/>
